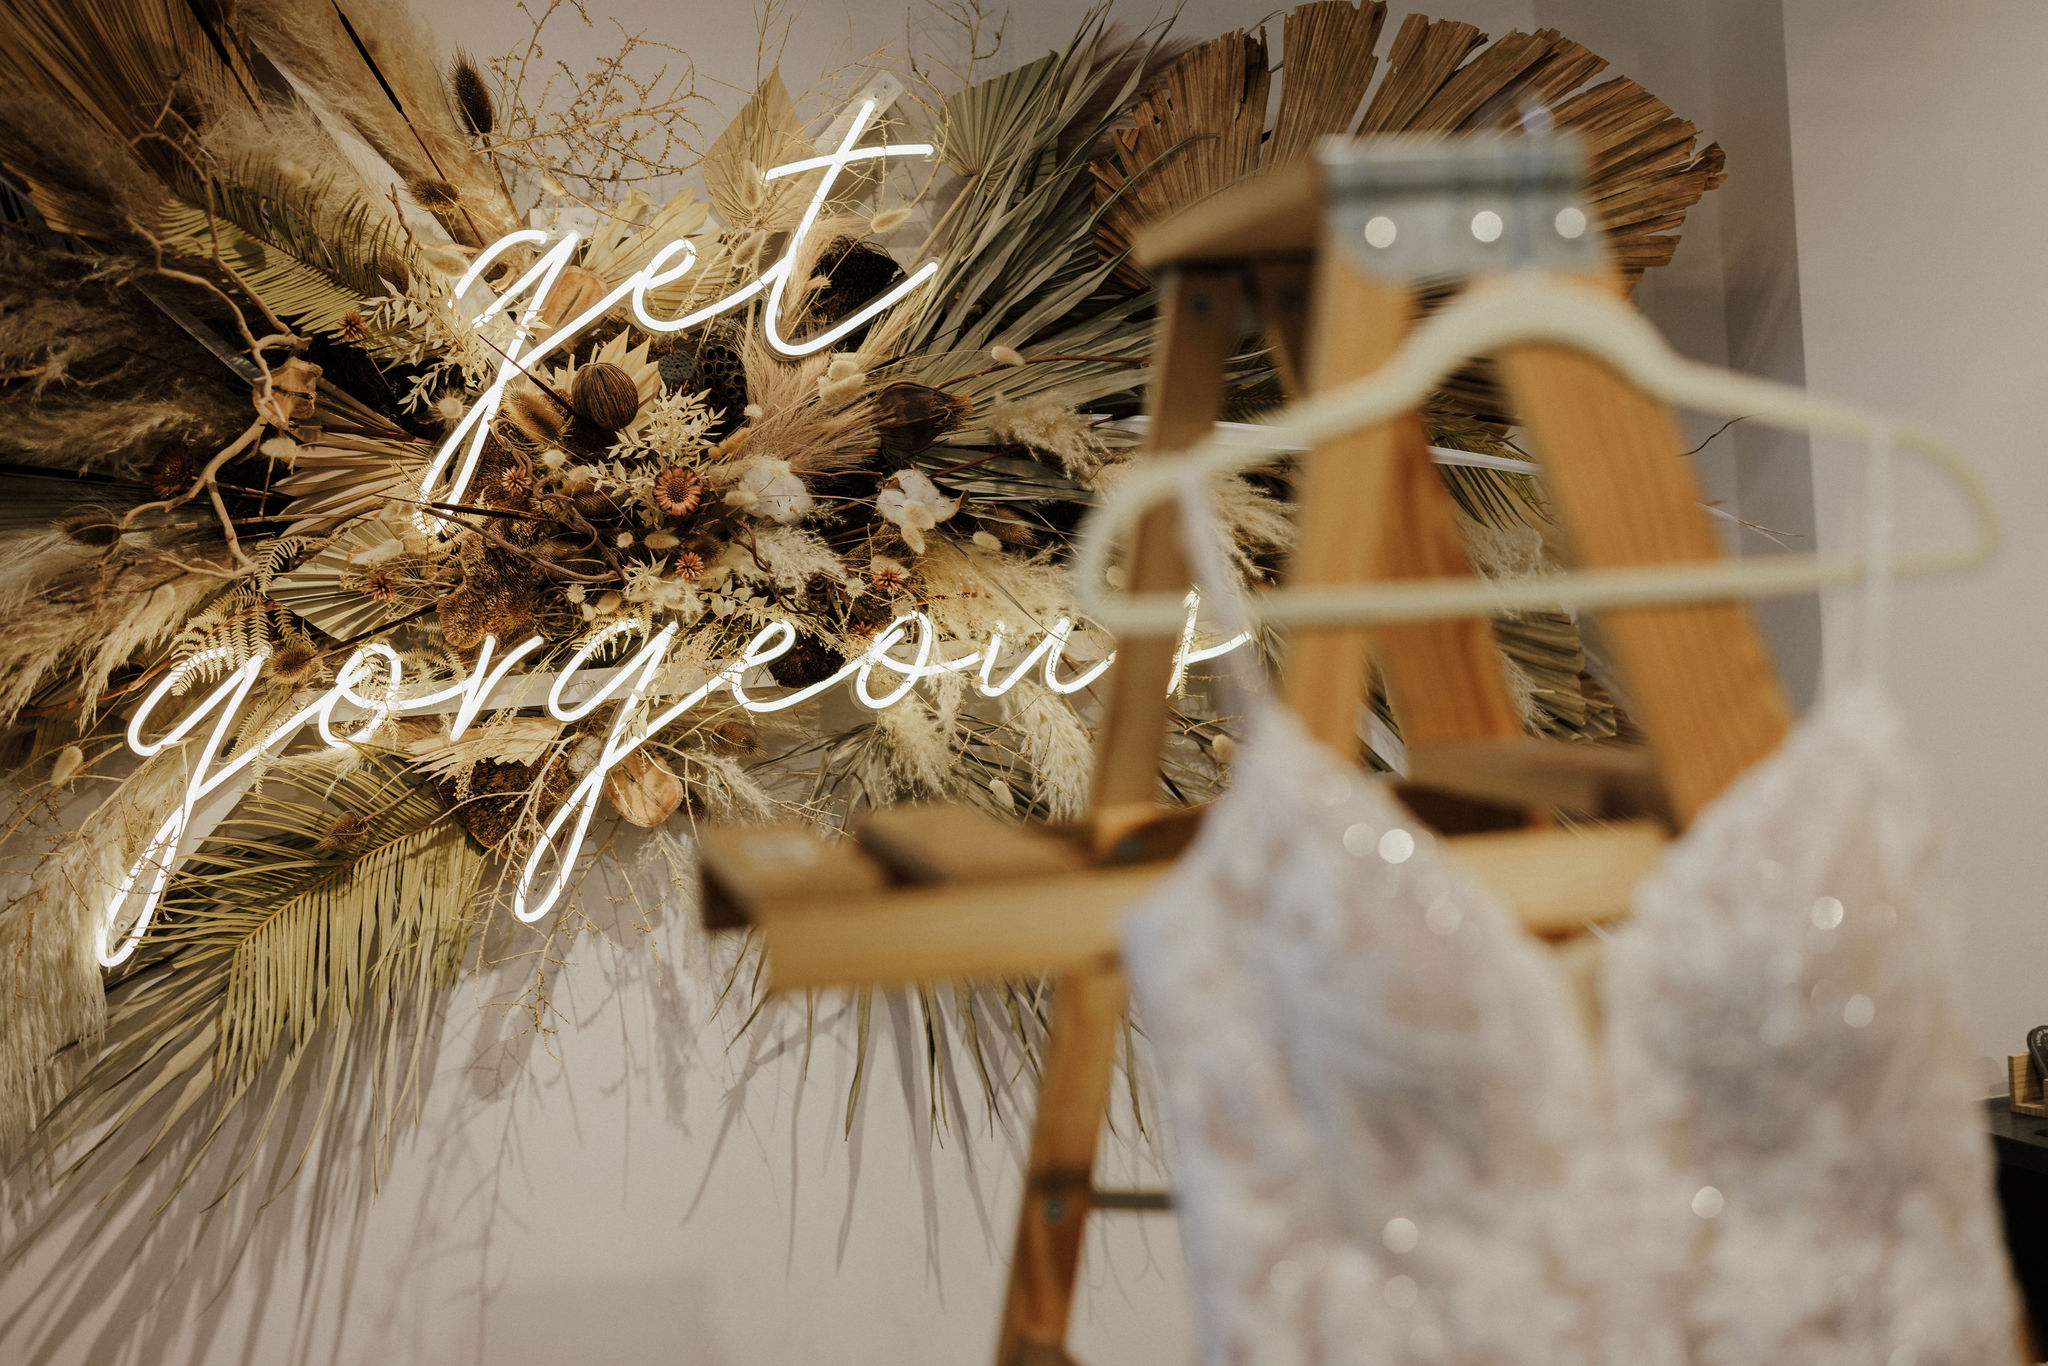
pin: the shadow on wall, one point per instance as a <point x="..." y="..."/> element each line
<point x="166" y="1269"/>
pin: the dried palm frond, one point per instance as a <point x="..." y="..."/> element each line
<point x="123" y="78"/>
<point x="766" y="132"/>
<point x="1199" y="130"/>
<point x="339" y="895"/>
<point x="368" y="66"/>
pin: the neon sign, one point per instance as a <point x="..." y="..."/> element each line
<point x="575" y="693"/>
<point x="464" y="446"/>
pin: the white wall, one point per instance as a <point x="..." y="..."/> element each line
<point x="1918" y="154"/>
<point x="618" y="1201"/>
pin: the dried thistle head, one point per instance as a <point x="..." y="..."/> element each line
<point x="295" y="661"/>
<point x="352" y="327"/>
<point x="173" y="470"/>
<point x="343" y="831"/>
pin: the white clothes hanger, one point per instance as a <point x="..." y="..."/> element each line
<point x="1513" y="310"/>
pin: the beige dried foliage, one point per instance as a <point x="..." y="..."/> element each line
<point x="49" y="972"/>
<point x="1049" y="424"/>
<point x="84" y="624"/>
<point x="421" y="136"/>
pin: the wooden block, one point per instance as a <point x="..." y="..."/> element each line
<point x="1080" y="1062"/>
<point x="1560" y="881"/>
<point x="1279" y="213"/>
<point x="1570" y="776"/>
<point x="1557" y="880"/>
<point x="1700" y="682"/>
<point x="2024" y="1082"/>
<point x="746" y="867"/>
<point x="1019" y="927"/>
<point x="947" y="843"/>
<point x="1371" y="505"/>
<point x="1198" y="332"/>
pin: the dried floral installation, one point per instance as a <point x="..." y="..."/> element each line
<point x="234" y="336"/>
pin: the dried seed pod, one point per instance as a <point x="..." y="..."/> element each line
<point x="173" y="470"/>
<point x="431" y="194"/>
<point x="643" y="790"/>
<point x="341" y="832"/>
<point x="910" y="416"/>
<point x="596" y="506"/>
<point x="678" y="491"/>
<point x="575" y="291"/>
<point x="605" y="396"/>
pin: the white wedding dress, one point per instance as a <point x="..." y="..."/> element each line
<point x="1394" y="1141"/>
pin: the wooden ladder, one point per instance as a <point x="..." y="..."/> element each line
<point x="902" y="903"/>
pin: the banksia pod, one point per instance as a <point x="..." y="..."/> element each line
<point x="909" y="417"/>
<point x="605" y="396"/>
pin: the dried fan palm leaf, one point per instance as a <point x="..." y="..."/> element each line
<point x="359" y="581"/>
<point x="1191" y="135"/>
<point x="340" y="478"/>
<point x="767" y="132"/>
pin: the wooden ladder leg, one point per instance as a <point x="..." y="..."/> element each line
<point x="1073" y="1097"/>
<point x="1198" y="329"/>
<point x="1372" y="506"/>
<point x="1700" y="681"/>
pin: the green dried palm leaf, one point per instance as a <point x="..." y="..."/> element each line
<point x="302" y="294"/>
<point x="320" y="920"/>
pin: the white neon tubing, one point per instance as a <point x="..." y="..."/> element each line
<point x="344" y="690"/>
<point x="592" y="643"/>
<point x="1057" y="639"/>
<point x="878" y="653"/>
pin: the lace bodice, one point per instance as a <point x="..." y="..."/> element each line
<point x="1395" y="1142"/>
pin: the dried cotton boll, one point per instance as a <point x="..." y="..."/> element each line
<point x="1224" y="748"/>
<point x="753" y="412"/>
<point x="282" y="449"/>
<point x="913" y="502"/>
<point x="624" y="540"/>
<point x="772" y="491"/>
<point x="1003" y="355"/>
<point x="554" y="458"/>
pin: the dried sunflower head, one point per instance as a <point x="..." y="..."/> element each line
<point x="678" y="490"/>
